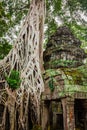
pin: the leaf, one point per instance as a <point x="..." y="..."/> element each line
<point x="14" y="79"/>
<point x="51" y="84"/>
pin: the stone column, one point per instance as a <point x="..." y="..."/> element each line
<point x="64" y="104"/>
<point x="68" y="114"/>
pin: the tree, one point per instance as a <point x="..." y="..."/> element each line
<point x="59" y="12"/>
<point x="12" y="14"/>
<point x="25" y="57"/>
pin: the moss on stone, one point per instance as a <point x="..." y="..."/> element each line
<point x="75" y="79"/>
<point x="63" y="60"/>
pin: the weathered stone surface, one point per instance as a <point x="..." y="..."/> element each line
<point x="64" y="76"/>
<point x="65" y="79"/>
<point x="64" y="46"/>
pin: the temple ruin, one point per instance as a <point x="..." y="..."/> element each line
<point x="64" y="101"/>
<point x="63" y="104"/>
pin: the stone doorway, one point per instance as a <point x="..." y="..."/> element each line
<point x="52" y="114"/>
<point x="80" y="110"/>
<point x="57" y="112"/>
<point x="58" y="121"/>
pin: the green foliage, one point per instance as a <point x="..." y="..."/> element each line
<point x="80" y="32"/>
<point x="73" y="5"/>
<point x="11" y="14"/>
<point x="51" y="84"/>
<point x="83" y="4"/>
<point x="52" y="7"/>
<point x="52" y="27"/>
<point x="68" y="14"/>
<point x="14" y="79"/>
<point x="5" y="47"/>
<point x="3" y="18"/>
<point x="51" y="73"/>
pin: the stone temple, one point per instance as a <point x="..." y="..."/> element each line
<point x="64" y="101"/>
<point x="64" y="49"/>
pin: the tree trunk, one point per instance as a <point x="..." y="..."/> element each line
<point x="26" y="57"/>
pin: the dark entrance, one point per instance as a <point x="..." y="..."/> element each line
<point x="80" y="114"/>
<point x="1" y="112"/>
<point x="7" y="123"/>
<point x="57" y="115"/>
